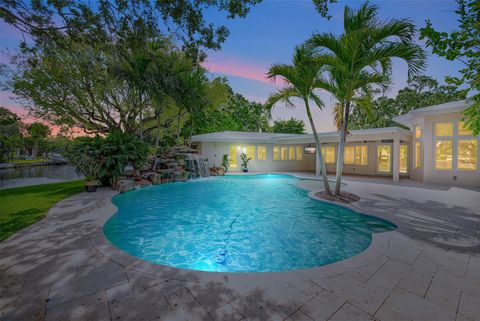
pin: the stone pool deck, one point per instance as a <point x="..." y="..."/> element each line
<point x="62" y="268"/>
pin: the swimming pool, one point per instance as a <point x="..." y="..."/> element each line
<point x="254" y="223"/>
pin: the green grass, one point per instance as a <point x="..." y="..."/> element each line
<point x="28" y="161"/>
<point x="22" y="206"/>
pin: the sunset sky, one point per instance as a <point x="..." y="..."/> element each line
<point x="269" y="34"/>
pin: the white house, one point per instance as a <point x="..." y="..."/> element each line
<point x="437" y="149"/>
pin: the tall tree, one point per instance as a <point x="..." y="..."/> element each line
<point x="462" y="45"/>
<point x="289" y="126"/>
<point x="360" y="60"/>
<point x="421" y="91"/>
<point x="184" y="19"/>
<point x="37" y="133"/>
<point x="10" y="135"/>
<point x="301" y="80"/>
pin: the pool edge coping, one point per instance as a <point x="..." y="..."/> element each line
<point x="377" y="247"/>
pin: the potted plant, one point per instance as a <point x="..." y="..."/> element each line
<point x="245" y="161"/>
<point x="225" y="162"/>
<point x="91" y="184"/>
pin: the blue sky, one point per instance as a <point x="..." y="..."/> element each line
<point x="271" y="31"/>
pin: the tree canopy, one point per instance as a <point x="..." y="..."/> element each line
<point x="421" y="91"/>
<point x="289" y="126"/>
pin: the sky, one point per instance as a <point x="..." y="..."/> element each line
<point x="269" y="34"/>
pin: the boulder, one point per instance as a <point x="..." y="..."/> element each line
<point x="124" y="185"/>
<point x="155" y="178"/>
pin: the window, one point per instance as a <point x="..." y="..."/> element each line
<point x="384" y="158"/>
<point x="467" y="154"/>
<point x="299" y="152"/>
<point x="291" y="153"/>
<point x="262" y="152"/>
<point x="349" y="156"/>
<point x="462" y="130"/>
<point x="276" y="153"/>
<point x="361" y="155"/>
<point x="283" y="154"/>
<point x="233" y="156"/>
<point x="443" y="154"/>
<point x="418" y="147"/>
<point x="444" y="129"/>
<point x="251" y="152"/>
<point x="418" y="155"/>
<point x="418" y="132"/>
<point x="328" y="153"/>
<point x="403" y="164"/>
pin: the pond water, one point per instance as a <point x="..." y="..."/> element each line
<point x="34" y="175"/>
<point x="254" y="223"/>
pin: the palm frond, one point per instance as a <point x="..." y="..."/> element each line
<point x="318" y="101"/>
<point x="282" y="95"/>
<point x="354" y="20"/>
<point x="284" y="71"/>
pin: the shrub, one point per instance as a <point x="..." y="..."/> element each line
<point x="111" y="153"/>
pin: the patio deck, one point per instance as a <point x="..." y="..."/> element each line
<point x="63" y="268"/>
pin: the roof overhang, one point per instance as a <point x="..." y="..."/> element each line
<point x="447" y="108"/>
<point x="374" y="134"/>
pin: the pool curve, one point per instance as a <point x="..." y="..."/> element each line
<point x="248" y="223"/>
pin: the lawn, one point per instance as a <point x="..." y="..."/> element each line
<point x="22" y="206"/>
<point x="29" y="161"/>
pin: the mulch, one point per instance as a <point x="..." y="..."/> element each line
<point x="344" y="197"/>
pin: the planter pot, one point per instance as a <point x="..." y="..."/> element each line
<point x="91" y="188"/>
<point x="91" y="185"/>
<point x="245" y="170"/>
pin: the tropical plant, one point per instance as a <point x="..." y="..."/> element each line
<point x="245" y="159"/>
<point x="113" y="153"/>
<point x="301" y="80"/>
<point x="360" y="60"/>
<point x="225" y="162"/>
<point x="462" y="45"/>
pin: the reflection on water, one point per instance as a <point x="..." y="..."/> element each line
<point x="24" y="176"/>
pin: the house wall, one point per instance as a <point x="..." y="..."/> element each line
<point x="214" y="153"/>
<point x="454" y="177"/>
<point x="371" y="167"/>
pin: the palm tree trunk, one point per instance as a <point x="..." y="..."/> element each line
<point x="341" y="148"/>
<point x="318" y="147"/>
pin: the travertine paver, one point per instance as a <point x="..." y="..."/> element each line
<point x="63" y="268"/>
<point x="349" y="312"/>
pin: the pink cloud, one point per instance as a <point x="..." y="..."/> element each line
<point x="237" y="68"/>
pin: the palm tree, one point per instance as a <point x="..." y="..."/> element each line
<point x="359" y="61"/>
<point x="301" y="81"/>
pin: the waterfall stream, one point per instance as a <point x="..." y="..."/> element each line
<point x="196" y="164"/>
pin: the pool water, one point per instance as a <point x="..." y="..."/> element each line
<point x="254" y="223"/>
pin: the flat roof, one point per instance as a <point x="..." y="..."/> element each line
<point x="232" y="136"/>
<point x="446" y="108"/>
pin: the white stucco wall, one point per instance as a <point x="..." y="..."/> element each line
<point x="454" y="177"/>
<point x="215" y="151"/>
